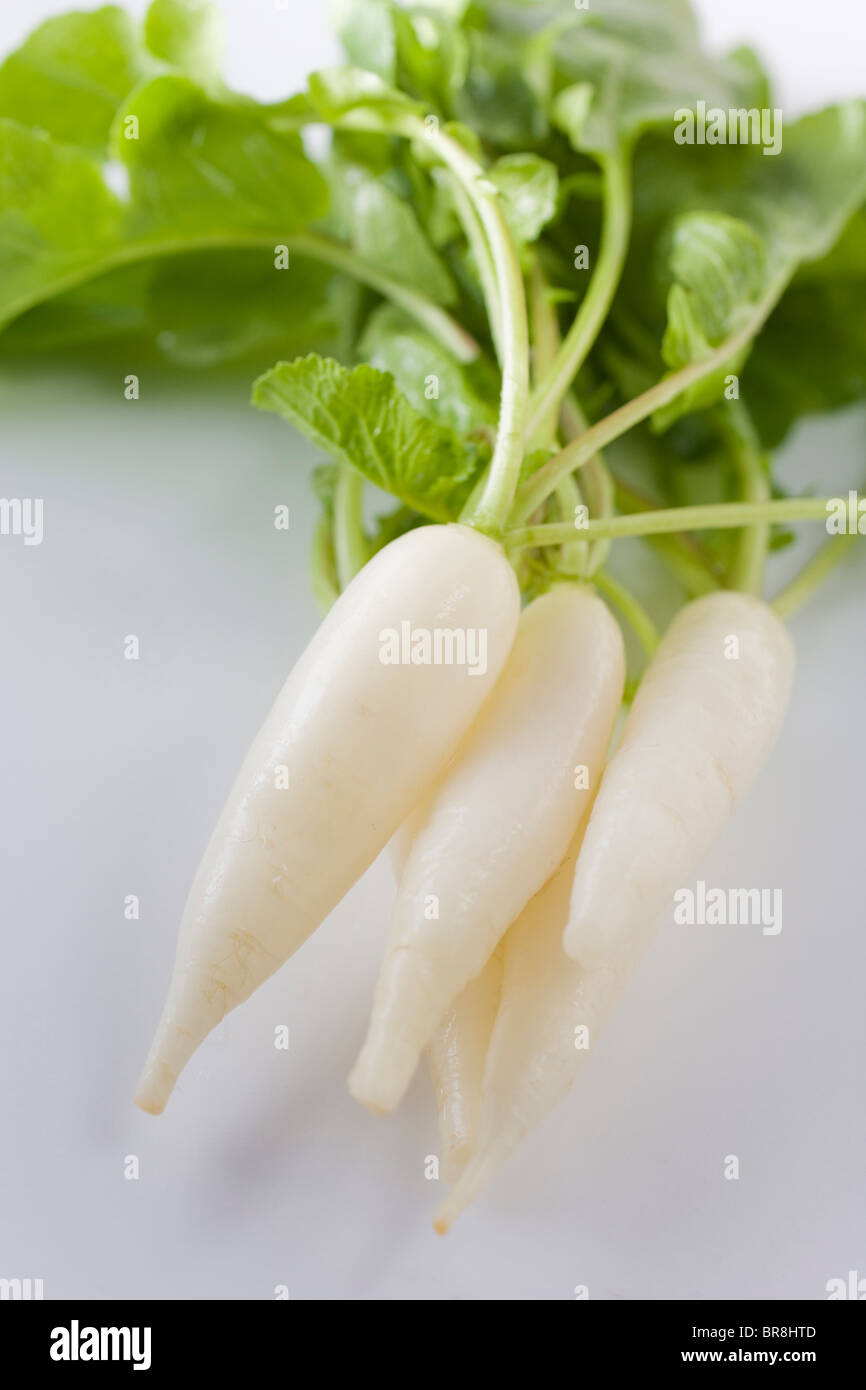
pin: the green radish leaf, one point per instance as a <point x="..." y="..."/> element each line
<point x="441" y="221"/>
<point x="452" y="10"/>
<point x="58" y="219"/>
<point x="109" y="308"/>
<point x="379" y="157"/>
<point x="804" y="200"/>
<point x="433" y="382"/>
<point x="359" y="417"/>
<point x="384" y="229"/>
<point x="571" y="111"/>
<point x="71" y="74"/>
<point x="529" y="187"/>
<point x="366" y="31"/>
<point x="257" y="312"/>
<point x="496" y="100"/>
<point x="796" y="204"/>
<point x="719" y="268"/>
<point x="189" y="35"/>
<point x="360" y="100"/>
<point x="170" y="304"/>
<point x="798" y="201"/>
<point x="74" y="71"/>
<point x="811" y="356"/>
<point x="213" y="169"/>
<point x="292" y="114"/>
<point x="630" y="65"/>
<point x="432" y="56"/>
<point x="201" y="172"/>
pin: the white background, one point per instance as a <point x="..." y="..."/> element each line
<point x="262" y="1171"/>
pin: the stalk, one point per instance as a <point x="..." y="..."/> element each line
<point x="598" y="436"/>
<point x="350" y="543"/>
<point x="599" y="482"/>
<point x="471" y="224"/>
<point x="509" y="310"/>
<point x="812" y="575"/>
<point x="323" y="577"/>
<point x="574" y="552"/>
<point x="682" y="554"/>
<point x="595" y="305"/>
<point x="631" y="608"/>
<point x="545" y="345"/>
<point x="445" y="329"/>
<point x="714" y="516"/>
<point x="749" y="461"/>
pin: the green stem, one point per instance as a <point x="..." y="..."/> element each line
<point x="440" y="324"/>
<point x="549" y="394"/>
<point x="545" y="346"/>
<point x="498" y="496"/>
<point x="685" y="555"/>
<point x="575" y="553"/>
<point x="429" y="315"/>
<point x="682" y="555"/>
<point x="350" y="543"/>
<point x="632" y="610"/>
<point x="749" y="461"/>
<point x="471" y="224"/>
<point x="472" y="501"/>
<point x="693" y="576"/>
<point x="598" y="436"/>
<point x="599" y="483"/>
<point x="323" y="573"/>
<point x="715" y="516"/>
<point x="813" y="574"/>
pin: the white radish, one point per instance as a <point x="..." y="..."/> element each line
<point x="458" y="1049"/>
<point x="538" y="1046"/>
<point x="703" y="722"/>
<point x="496" y="828"/>
<point x="456" y="1056"/>
<point x="348" y="749"/>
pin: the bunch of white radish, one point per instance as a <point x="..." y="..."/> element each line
<point x="486" y="275"/>
<point x="531" y="868"/>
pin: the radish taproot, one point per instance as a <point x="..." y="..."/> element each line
<point x="703" y="722"/>
<point x="536" y="1051"/>
<point x="456" y="1056"/>
<point x="497" y="826"/>
<point x="314" y="802"/>
<point x="457" y="1051"/>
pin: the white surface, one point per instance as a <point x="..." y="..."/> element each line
<point x="262" y="1171"/>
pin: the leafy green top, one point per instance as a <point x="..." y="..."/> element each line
<point x="482" y="156"/>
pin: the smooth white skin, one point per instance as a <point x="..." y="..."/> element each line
<point x="497" y="826"/>
<point x="456" y="1056"/>
<point x="457" y="1051"/>
<point x="361" y="742"/>
<point x="701" y="727"/>
<point x="532" y="1061"/>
